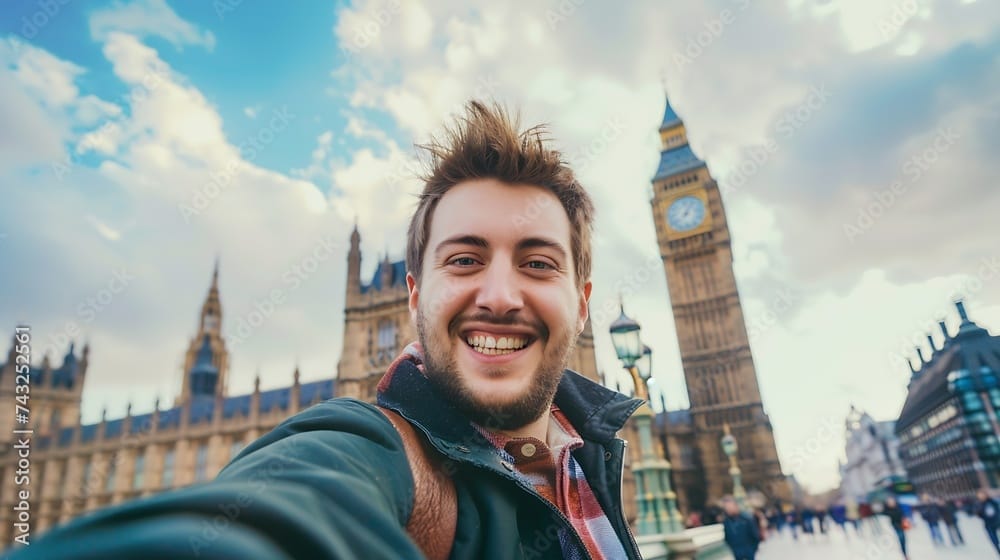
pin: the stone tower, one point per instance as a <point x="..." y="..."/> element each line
<point x="55" y="392"/>
<point x="694" y="243"/>
<point x="207" y="350"/>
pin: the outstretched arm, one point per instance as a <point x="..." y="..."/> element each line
<point x="331" y="482"/>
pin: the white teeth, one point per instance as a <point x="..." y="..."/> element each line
<point x="492" y="346"/>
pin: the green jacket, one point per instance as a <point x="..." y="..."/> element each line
<point x="334" y="482"/>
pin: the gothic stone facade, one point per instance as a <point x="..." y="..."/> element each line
<point x="694" y="243"/>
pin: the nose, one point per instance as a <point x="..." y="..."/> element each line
<point x="500" y="291"/>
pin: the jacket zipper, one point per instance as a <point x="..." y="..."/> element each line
<point x="555" y="510"/>
<point x="621" y="510"/>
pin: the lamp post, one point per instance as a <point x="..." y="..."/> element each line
<point x="729" y="447"/>
<point x="657" y="503"/>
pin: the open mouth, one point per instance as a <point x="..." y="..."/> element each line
<point x="493" y="345"/>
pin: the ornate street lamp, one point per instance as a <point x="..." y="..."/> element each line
<point x="730" y="447"/>
<point x="656" y="501"/>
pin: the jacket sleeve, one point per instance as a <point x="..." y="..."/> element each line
<point x="330" y="482"/>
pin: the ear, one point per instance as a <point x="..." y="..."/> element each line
<point x="584" y="311"/>
<point x="414" y="297"/>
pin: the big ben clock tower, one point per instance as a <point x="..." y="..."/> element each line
<point x="715" y="353"/>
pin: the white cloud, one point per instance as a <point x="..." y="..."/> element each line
<point x="146" y="18"/>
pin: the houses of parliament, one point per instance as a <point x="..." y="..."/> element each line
<point x="78" y="467"/>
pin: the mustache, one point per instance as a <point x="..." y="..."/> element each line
<point x="510" y="320"/>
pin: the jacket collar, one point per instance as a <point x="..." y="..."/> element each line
<point x="595" y="411"/>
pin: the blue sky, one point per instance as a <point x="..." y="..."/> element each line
<point x="854" y="143"/>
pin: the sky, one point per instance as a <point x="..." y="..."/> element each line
<point x="855" y="144"/>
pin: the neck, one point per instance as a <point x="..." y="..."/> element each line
<point x="537" y="429"/>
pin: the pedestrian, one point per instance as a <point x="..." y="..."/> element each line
<point x="761" y="519"/>
<point x="794" y="521"/>
<point x="484" y="447"/>
<point x="949" y="514"/>
<point x="931" y="513"/>
<point x="741" y="530"/>
<point x="988" y="510"/>
<point x="898" y="520"/>
<point x="838" y="512"/>
<point x="852" y="513"/>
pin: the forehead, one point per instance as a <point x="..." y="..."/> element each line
<point x="499" y="212"/>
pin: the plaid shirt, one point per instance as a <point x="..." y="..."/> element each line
<point x="557" y="477"/>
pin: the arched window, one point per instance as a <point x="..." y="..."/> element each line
<point x="386" y="339"/>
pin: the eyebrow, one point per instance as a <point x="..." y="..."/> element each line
<point x="481" y="242"/>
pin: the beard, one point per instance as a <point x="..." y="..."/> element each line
<point x="441" y="369"/>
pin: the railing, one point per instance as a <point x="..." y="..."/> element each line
<point x="701" y="543"/>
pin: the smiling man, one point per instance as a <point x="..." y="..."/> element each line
<point x="483" y="446"/>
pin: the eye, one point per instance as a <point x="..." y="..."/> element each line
<point x="540" y="265"/>
<point x="463" y="261"/>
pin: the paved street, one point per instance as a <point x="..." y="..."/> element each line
<point x="836" y="546"/>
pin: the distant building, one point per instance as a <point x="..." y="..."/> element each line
<point x="948" y="429"/>
<point x="872" y="455"/>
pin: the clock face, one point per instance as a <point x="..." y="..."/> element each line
<point x="686" y="213"/>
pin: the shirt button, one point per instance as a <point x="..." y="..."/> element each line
<point x="607" y="455"/>
<point x="528" y="450"/>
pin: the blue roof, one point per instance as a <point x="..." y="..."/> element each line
<point x="234" y="406"/>
<point x="88" y="433"/>
<point x="397" y="277"/>
<point x="316" y="391"/>
<point x="170" y="418"/>
<point x="670" y="117"/>
<point x="203" y="409"/>
<point x="674" y="418"/>
<point x="113" y="428"/>
<point x="677" y="160"/>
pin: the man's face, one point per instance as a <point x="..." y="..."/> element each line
<point x="981" y="495"/>
<point x="498" y="307"/>
<point x="731" y="507"/>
